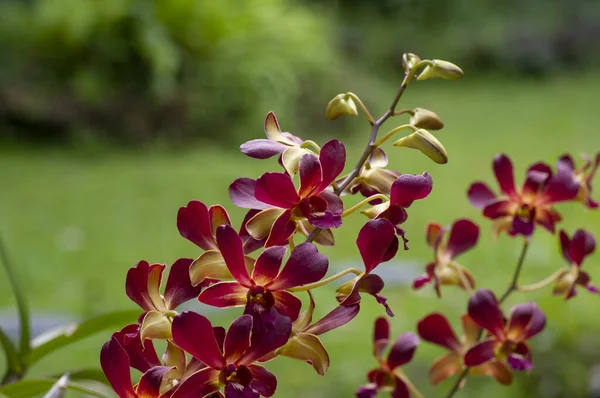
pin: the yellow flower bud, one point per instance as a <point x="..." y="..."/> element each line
<point x="425" y="142"/>
<point x="426" y="119"/>
<point x="444" y="69"/>
<point x="339" y="106"/>
<point x="410" y="60"/>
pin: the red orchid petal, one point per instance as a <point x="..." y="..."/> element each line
<point x="276" y="189"/>
<point x="483" y="309"/>
<point x="231" y="247"/>
<point x="333" y="160"/>
<point x="560" y="187"/>
<point x="334" y="319"/>
<point x="520" y="319"/>
<point x="503" y="169"/>
<point x="237" y="339"/>
<point x="200" y="384"/>
<point x="565" y="163"/>
<point x="218" y="216"/>
<point x="194" y="334"/>
<point x="367" y="391"/>
<point x="444" y="367"/>
<point x="275" y="337"/>
<point x="179" y="287"/>
<point x="400" y="390"/>
<point x="283" y="228"/>
<point x="150" y="382"/>
<point x="143" y="283"/>
<point x="500" y="208"/>
<point x="525" y="227"/>
<point x="268" y="264"/>
<point x="547" y="218"/>
<point x="220" y="333"/>
<point x="498" y="370"/>
<point x="433" y="234"/>
<point x="584" y="280"/>
<point x="582" y="245"/>
<point x="262" y="149"/>
<point x="115" y="365"/>
<point x="381" y="330"/>
<point x="334" y="203"/>
<point x="242" y="192"/>
<point x="141" y="356"/>
<point x="435" y="329"/>
<point x="480" y="353"/>
<point x="263" y="381"/>
<point x="310" y="175"/>
<point x="535" y="180"/>
<point x="325" y="220"/>
<point x="250" y="243"/>
<point x="287" y="304"/>
<point x="305" y="265"/>
<point x="421" y="281"/>
<point x="463" y="236"/>
<point x="480" y="195"/>
<point x="565" y="242"/>
<point x="224" y="294"/>
<point x="377" y="242"/>
<point x="193" y="223"/>
<point x="407" y="188"/>
<point x="403" y="350"/>
<point x="537" y="323"/>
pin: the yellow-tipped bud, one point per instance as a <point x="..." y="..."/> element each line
<point x="410" y="60"/>
<point x="425" y="142"/>
<point x="340" y="105"/>
<point x="426" y="119"/>
<point x="444" y="69"/>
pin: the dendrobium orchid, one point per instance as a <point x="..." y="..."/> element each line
<point x="585" y="181"/>
<point x="373" y="178"/>
<point x="444" y="270"/>
<point x="507" y="341"/>
<point x="388" y="376"/>
<point x="283" y="207"/>
<point x="575" y="250"/>
<point x="519" y="212"/>
<point x="263" y="293"/>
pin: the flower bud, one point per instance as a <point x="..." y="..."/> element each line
<point x="339" y="106"/>
<point x="444" y="69"/>
<point x="410" y="60"/>
<point x="425" y="142"/>
<point x="426" y="119"/>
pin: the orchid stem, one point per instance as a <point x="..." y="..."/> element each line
<point x="514" y="283"/>
<point x="403" y="111"/>
<point x="325" y="281"/>
<point x="362" y="107"/>
<point x="313" y="144"/>
<point x="540" y="284"/>
<point x="364" y="202"/>
<point x="457" y="386"/>
<point x="392" y="132"/>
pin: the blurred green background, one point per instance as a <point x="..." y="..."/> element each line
<point x="115" y="113"/>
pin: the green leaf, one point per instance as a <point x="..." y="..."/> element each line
<point x="87" y="374"/>
<point x="13" y="362"/>
<point x="59" y="388"/>
<point x="66" y="335"/>
<point x="33" y="387"/>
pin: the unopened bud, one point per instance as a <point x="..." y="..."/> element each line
<point x="410" y="60"/>
<point x="444" y="69"/>
<point x="425" y="142"/>
<point x="426" y="119"/>
<point x="339" y="106"/>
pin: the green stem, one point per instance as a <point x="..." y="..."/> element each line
<point x="309" y="143"/>
<point x="392" y="132"/>
<point x="325" y="281"/>
<point x="362" y="107"/>
<point x="540" y="284"/>
<point x="14" y="367"/>
<point x="363" y="202"/>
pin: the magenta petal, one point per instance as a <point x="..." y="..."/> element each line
<point x="287" y="304"/>
<point x="480" y="353"/>
<point x="339" y="316"/>
<point x="403" y="350"/>
<point x="281" y="231"/>
<point x="537" y="322"/>
<point x="250" y="244"/>
<point x="582" y="245"/>
<point x="142" y="283"/>
<point x="463" y="236"/>
<point x="276" y="189"/>
<point x="560" y="187"/>
<point x="483" y="309"/>
<point x="480" y="195"/>
<point x="435" y="329"/>
<point x="310" y="174"/>
<point x="381" y="330"/>
<point x="193" y="224"/>
<point x="501" y="208"/>
<point x="115" y="365"/>
<point x="305" y="265"/>
<point x="262" y="148"/>
<point x="232" y="250"/>
<point x="334" y="203"/>
<point x="199" y="385"/>
<point x="503" y="169"/>
<point x="224" y="294"/>
<point x="194" y="334"/>
<point x="179" y="287"/>
<point x="375" y="240"/>
<point x="333" y="160"/>
<point x="565" y="163"/>
<point x="150" y="382"/>
<point x="325" y="220"/>
<point x="141" y="357"/>
<point x="536" y="178"/>
<point x="400" y="390"/>
<point x="242" y="193"/>
<point x="268" y="264"/>
<point x="237" y="339"/>
<point x="408" y="188"/>
<point x="367" y="391"/>
<point x="275" y="337"/>
<point x="519" y="363"/>
<point x="263" y="381"/>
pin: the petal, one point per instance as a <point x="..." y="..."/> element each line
<point x="290" y="159"/>
<point x="435" y="329"/>
<point x="305" y="265"/>
<point x="263" y="381"/>
<point x="377" y="242"/>
<point x="333" y="160"/>
<point x="268" y="264"/>
<point x="141" y="356"/>
<point x="503" y="169"/>
<point x="378" y="158"/>
<point x="480" y="195"/>
<point x="325" y="220"/>
<point x="263" y="344"/>
<point x="500" y="208"/>
<point x="408" y="188"/>
<point x="536" y="178"/>
<point x="307" y="347"/>
<point x="565" y="163"/>
<point x="150" y="382"/>
<point x="378" y="180"/>
<point x="115" y="365"/>
<point x="242" y="191"/>
<point x="523" y="227"/>
<point x="480" y="353"/>
<point x="193" y="223"/>
<point x="283" y="228"/>
<point x="484" y="310"/>
<point x="546" y="218"/>
<point x="324" y="237"/>
<point x="444" y="367"/>
<point x="155" y="325"/>
<point x="209" y="265"/>
<point x="237" y="339"/>
<point x="583" y="244"/>
<point x="310" y="175"/>
<point x="194" y="334"/>
<point x="433" y="234"/>
<point x="403" y="350"/>
<point x="336" y="318"/>
<point x="463" y="236"/>
<point x="224" y="294"/>
<point x="276" y="189"/>
<point x="400" y="390"/>
<point x="367" y="391"/>
<point x="231" y="247"/>
<point x="143" y="283"/>
<point x="262" y="149"/>
<point x="250" y="242"/>
<point x="179" y="287"/>
<point x="272" y="129"/>
<point x="198" y="385"/>
<point x="259" y="226"/>
<point x="305" y="318"/>
<point x="471" y="331"/>
<point x="497" y="369"/>
<point x="565" y="242"/>
<point x="526" y="320"/>
<point x="381" y="330"/>
<point x="519" y="363"/>
<point x="334" y="203"/>
<point x="287" y="304"/>
<point x="560" y="187"/>
<point x="584" y="280"/>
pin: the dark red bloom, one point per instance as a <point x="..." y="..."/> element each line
<point x="519" y="212"/>
<point x="229" y="366"/>
<point x="444" y="270"/>
<point x="373" y="177"/>
<point x="388" y="376"/>
<point x="264" y="290"/>
<point x="377" y="243"/>
<point x="283" y="207"/>
<point x="507" y="341"/>
<point x="585" y="181"/>
<point x="574" y="251"/>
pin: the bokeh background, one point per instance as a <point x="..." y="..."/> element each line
<point x="115" y="113"/>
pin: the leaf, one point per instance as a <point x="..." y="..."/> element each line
<point x="32" y="387"/>
<point x="13" y="361"/>
<point x="86" y="374"/>
<point x="63" y="336"/>
<point x="59" y="388"/>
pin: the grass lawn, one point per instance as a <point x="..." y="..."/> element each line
<point x="76" y="221"/>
